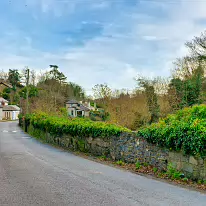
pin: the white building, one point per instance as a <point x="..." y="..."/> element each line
<point x="8" y="112"/>
<point x="77" y="109"/>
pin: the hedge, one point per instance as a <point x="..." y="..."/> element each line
<point x="76" y="127"/>
<point x="185" y="131"/>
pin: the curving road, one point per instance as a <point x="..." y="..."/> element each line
<point x="32" y="173"/>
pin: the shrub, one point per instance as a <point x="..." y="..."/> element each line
<point x="155" y="169"/>
<point x="185" y="130"/>
<point x="173" y="173"/>
<point x="75" y="127"/>
<point x="120" y="163"/>
<point x="138" y="165"/>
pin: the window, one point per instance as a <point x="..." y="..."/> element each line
<point x="72" y="113"/>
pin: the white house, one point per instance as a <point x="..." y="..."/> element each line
<point x="77" y="109"/>
<point x="3" y="102"/>
<point x="8" y="112"/>
<point x="1" y="112"/>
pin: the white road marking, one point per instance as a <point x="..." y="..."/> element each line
<point x="13" y="131"/>
<point x="4" y="131"/>
<point x="25" y="137"/>
<point x="95" y="172"/>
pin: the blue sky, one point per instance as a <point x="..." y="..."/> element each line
<point x="98" y="41"/>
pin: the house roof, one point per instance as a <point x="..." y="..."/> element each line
<point x="83" y="108"/>
<point x="11" y="108"/>
<point x="5" y="83"/>
<point x="78" y="105"/>
<point x="72" y="102"/>
<point x="3" y="100"/>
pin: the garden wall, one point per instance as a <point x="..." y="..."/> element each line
<point x="129" y="148"/>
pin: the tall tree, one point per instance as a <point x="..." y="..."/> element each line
<point x="102" y="91"/>
<point x="14" y="77"/>
<point x="56" y="74"/>
<point x="152" y="98"/>
<point x="198" y="46"/>
<point x="187" y="83"/>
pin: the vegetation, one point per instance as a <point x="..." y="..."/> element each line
<point x="76" y="127"/>
<point x="47" y="91"/>
<point x="151" y="100"/>
<point x="156" y="98"/>
<point x="185" y="130"/>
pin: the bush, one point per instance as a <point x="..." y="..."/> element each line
<point x="75" y="127"/>
<point x="185" y="130"/>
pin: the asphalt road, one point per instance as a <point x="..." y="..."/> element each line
<point x="32" y="173"/>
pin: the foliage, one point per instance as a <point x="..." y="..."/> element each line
<point x="33" y="91"/>
<point x="120" y="163"/>
<point x="75" y="127"/>
<point x="102" y="91"/>
<point x="197" y="46"/>
<point x="152" y="98"/>
<point x="138" y="165"/>
<point x="56" y="74"/>
<point x="185" y="130"/>
<point x="139" y="121"/>
<point x="14" y="77"/>
<point x="155" y="169"/>
<point x="188" y="89"/>
<point x="173" y="173"/>
<point x="64" y="112"/>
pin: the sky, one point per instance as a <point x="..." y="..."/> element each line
<point x="98" y="41"/>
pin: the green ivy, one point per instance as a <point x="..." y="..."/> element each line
<point x="75" y="127"/>
<point x="185" y="131"/>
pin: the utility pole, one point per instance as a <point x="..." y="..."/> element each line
<point x="27" y="89"/>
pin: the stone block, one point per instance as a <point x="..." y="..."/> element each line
<point x="178" y="165"/>
<point x="187" y="167"/>
<point x="193" y="161"/>
<point x="200" y="161"/>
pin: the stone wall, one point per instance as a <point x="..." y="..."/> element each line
<point x="128" y="148"/>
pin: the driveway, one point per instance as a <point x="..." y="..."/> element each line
<point x="32" y="173"/>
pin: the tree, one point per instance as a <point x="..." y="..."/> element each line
<point x="197" y="46"/>
<point x="102" y="92"/>
<point x="152" y="99"/>
<point x="186" y="86"/>
<point x="14" y="78"/>
<point x="32" y="92"/>
<point x="56" y="74"/>
<point x="3" y="75"/>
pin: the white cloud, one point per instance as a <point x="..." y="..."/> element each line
<point x="132" y="44"/>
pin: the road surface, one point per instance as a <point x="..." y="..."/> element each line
<point x="32" y="173"/>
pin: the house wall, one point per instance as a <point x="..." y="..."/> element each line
<point x="10" y="115"/>
<point x="1" y="114"/>
<point x="86" y="114"/>
<point x="16" y="115"/>
<point x="7" y="115"/>
<point x="70" y="112"/>
<point x="69" y="109"/>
